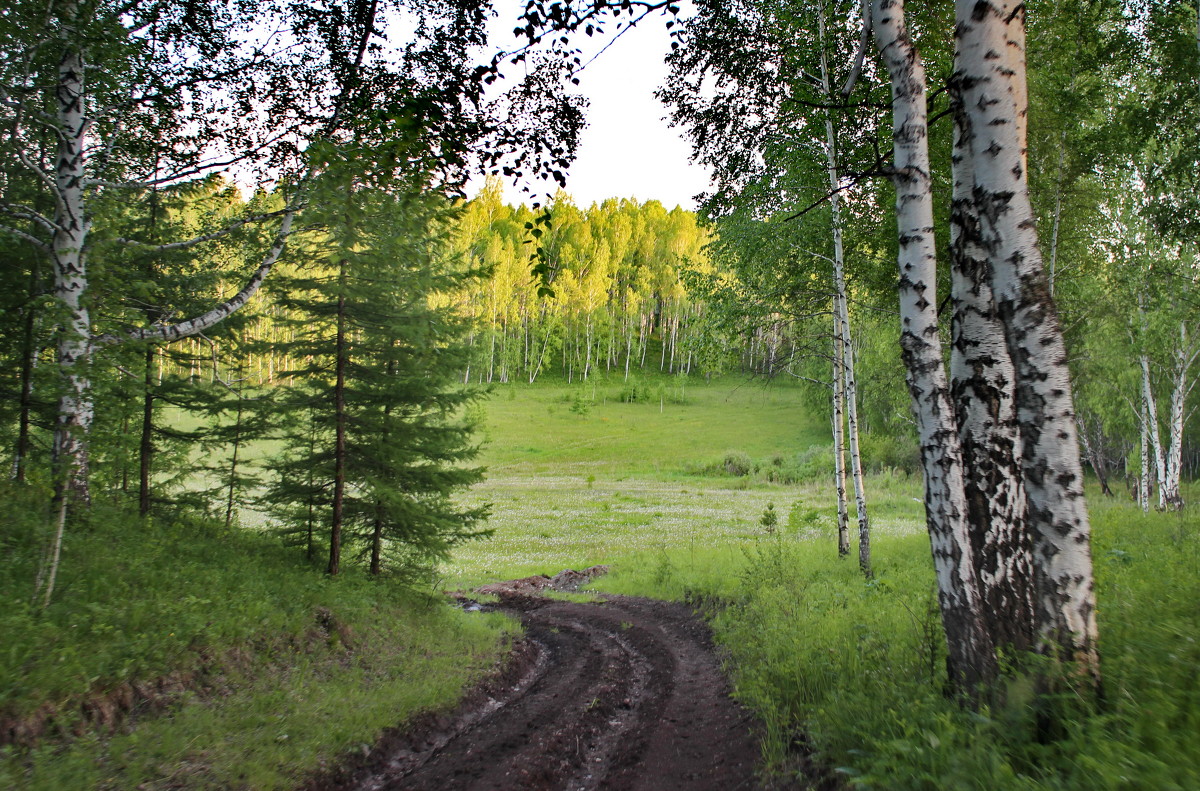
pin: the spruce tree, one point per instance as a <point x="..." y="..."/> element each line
<point x="378" y="439"/>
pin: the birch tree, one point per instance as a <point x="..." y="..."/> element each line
<point x="982" y="378"/>
<point x="971" y="649"/>
<point x="108" y="81"/>
<point x="991" y="73"/>
<point x="753" y="84"/>
<point x="847" y="387"/>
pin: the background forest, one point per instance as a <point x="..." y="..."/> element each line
<point x="253" y="330"/>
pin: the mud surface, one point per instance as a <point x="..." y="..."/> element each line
<point x="625" y="695"/>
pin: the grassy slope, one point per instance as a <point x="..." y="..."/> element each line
<point x="534" y="430"/>
<point x="575" y="485"/>
<point x="303" y="668"/>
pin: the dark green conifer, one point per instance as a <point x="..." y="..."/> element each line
<point x="378" y="437"/>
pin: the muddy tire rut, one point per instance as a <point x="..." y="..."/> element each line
<point x="624" y="695"/>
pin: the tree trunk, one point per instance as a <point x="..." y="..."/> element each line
<point x="992" y="76"/>
<point x="492" y="351"/>
<point x="75" y="408"/>
<point x="644" y="339"/>
<point x="1151" y="411"/>
<point x="1094" y="449"/>
<point x="377" y="526"/>
<point x="310" y="551"/>
<point x="839" y="335"/>
<point x="1145" y="473"/>
<point x="856" y="465"/>
<point x="629" y="349"/>
<point x="146" y="445"/>
<point x="587" y="363"/>
<point x="839" y="442"/>
<point x="971" y="657"/>
<point x="339" y="439"/>
<point x="233" y="460"/>
<point x="982" y="385"/>
<point x="841" y="311"/>
<point x="29" y="354"/>
<point x="1058" y="191"/>
<point x="1185" y="356"/>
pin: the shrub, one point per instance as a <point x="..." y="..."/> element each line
<point x="737" y="464"/>
<point x="881" y="452"/>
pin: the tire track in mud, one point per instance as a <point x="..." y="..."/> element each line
<point x="621" y="695"/>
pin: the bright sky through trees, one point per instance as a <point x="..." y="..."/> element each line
<point x="628" y="149"/>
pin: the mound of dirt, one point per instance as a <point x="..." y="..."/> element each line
<point x="567" y="580"/>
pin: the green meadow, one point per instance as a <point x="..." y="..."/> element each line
<point x="577" y="475"/>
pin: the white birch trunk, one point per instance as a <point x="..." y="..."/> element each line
<point x="856" y="465"/>
<point x="1151" y="411"/>
<point x="629" y="351"/>
<point x="1144" y="475"/>
<point x="587" y="363"/>
<point x="839" y="443"/>
<point x="971" y="654"/>
<point x="1152" y="430"/>
<point x="1185" y="356"/>
<point x="841" y="314"/>
<point x="992" y="75"/>
<point x="845" y="386"/>
<point x="68" y="255"/>
<point x="1058" y="191"/>
<point x="75" y="409"/>
<point x="982" y="382"/>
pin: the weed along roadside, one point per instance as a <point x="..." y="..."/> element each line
<point x="213" y="661"/>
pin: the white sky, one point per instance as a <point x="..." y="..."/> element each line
<point x="627" y="149"/>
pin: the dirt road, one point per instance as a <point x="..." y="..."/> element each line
<point x="623" y="695"/>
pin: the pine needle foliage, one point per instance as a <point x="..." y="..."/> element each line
<point x="378" y="437"/>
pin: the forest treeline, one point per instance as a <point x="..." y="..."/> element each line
<point x="634" y="289"/>
<point x="616" y="299"/>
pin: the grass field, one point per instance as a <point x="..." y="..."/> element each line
<point x="577" y="477"/>
<point x="586" y="430"/>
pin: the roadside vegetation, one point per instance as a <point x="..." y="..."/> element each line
<point x="183" y="654"/>
<point x="852" y="671"/>
<point x="848" y="670"/>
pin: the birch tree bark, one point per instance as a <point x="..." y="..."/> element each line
<point x="991" y="73"/>
<point x="982" y="384"/>
<point x="856" y="465"/>
<point x="843" y="348"/>
<point x="971" y="653"/>
<point x="1158" y="472"/>
<point x="71" y="228"/>
<point x="1144" y="446"/>
<point x="839" y="441"/>
<point x="1186" y="354"/>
